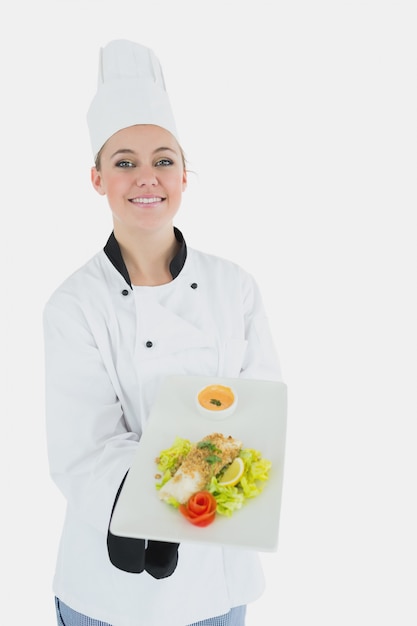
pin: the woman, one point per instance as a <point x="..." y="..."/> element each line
<point x="145" y="307"/>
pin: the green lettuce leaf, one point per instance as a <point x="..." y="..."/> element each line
<point x="170" y="459"/>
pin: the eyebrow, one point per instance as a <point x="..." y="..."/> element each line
<point x="129" y="151"/>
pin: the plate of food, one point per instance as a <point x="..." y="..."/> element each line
<point x="209" y="465"/>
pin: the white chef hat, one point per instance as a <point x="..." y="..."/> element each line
<point x="131" y="90"/>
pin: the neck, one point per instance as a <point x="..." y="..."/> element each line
<point x="147" y="257"/>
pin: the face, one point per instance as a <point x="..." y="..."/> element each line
<point x="142" y="175"/>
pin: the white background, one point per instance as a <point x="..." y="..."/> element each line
<point x="299" y="121"/>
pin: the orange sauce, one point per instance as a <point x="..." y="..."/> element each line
<point x="216" y="397"/>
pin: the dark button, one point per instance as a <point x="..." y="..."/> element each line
<point x="193" y="285"/>
<point x="125" y="292"/>
<point x="149" y="344"/>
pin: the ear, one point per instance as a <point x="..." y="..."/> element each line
<point x="96" y="181"/>
<point x="184" y="180"/>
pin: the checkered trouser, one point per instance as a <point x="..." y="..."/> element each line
<point x="68" y="617"/>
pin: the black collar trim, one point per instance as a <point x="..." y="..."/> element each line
<point x="114" y="254"/>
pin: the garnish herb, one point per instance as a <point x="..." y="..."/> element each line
<point x="207" y="445"/>
<point x="216" y="402"/>
<point x="213" y="459"/>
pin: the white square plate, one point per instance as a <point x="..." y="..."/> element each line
<point x="259" y="421"/>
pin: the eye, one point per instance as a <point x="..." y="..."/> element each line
<point x="124" y="163"/>
<point x="164" y="162"/>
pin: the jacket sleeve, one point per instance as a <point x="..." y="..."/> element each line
<point x="89" y="446"/>
<point x="261" y="359"/>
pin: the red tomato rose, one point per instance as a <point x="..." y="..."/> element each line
<point x="200" y="509"/>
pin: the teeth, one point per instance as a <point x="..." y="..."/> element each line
<point x="145" y="200"/>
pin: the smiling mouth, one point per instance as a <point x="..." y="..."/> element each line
<point x="151" y="200"/>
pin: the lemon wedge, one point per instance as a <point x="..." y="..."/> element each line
<point x="233" y="473"/>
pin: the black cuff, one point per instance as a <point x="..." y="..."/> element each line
<point x="128" y="554"/>
<point x="161" y="558"/>
<point x="125" y="553"/>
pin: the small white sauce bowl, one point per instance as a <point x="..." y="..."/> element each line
<point x="216" y="413"/>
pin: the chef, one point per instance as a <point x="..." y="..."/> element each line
<point x="145" y="307"/>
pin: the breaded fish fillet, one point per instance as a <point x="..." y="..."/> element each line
<point x="205" y="460"/>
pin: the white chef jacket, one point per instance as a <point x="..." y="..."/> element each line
<point x="108" y="347"/>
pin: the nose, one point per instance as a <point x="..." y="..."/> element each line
<point x="146" y="175"/>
